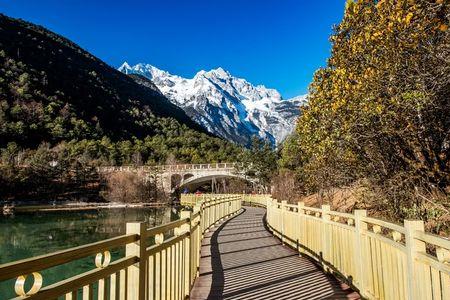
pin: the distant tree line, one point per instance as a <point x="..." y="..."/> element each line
<point x="52" y="170"/>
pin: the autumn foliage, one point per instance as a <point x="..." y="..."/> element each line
<point x="379" y="112"/>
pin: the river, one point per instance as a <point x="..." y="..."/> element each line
<point x="24" y="235"/>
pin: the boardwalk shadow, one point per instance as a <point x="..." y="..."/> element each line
<point x="218" y="280"/>
<point x="249" y="263"/>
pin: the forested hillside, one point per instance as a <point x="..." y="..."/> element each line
<point x="63" y="112"/>
<point x="378" y="117"/>
<point x="52" y="90"/>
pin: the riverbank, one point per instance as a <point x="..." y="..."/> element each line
<point x="76" y="206"/>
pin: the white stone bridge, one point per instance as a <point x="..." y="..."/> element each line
<point x="172" y="177"/>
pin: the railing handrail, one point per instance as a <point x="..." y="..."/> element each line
<point x="173" y="167"/>
<point x="385" y="224"/>
<point x="166" y="227"/>
<point x="64" y="286"/>
<point x="37" y="263"/>
<point x="129" y="275"/>
<point x="382" y="260"/>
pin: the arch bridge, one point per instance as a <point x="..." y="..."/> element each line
<point x="176" y="176"/>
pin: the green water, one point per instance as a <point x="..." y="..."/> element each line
<point x="29" y="234"/>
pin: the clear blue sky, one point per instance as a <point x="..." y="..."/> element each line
<point x="278" y="43"/>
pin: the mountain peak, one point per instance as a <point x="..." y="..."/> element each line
<point x="146" y="70"/>
<point x="219" y="72"/>
<point x="124" y="68"/>
<point x="227" y="106"/>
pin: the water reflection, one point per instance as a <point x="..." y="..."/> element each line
<point x="29" y="234"/>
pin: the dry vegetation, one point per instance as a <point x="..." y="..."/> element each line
<point x="130" y="187"/>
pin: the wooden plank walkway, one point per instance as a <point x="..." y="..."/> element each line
<point x="241" y="260"/>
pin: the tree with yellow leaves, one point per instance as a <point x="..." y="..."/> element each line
<point x="380" y="110"/>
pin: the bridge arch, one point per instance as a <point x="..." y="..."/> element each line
<point x="187" y="176"/>
<point x="173" y="177"/>
<point x="194" y="182"/>
<point x="207" y="178"/>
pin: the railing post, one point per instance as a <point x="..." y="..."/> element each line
<point x="301" y="217"/>
<point x="326" y="241"/>
<point x="198" y="241"/>
<point x="413" y="246"/>
<point x="283" y="209"/>
<point x="203" y="219"/>
<point x="358" y="249"/>
<point x="212" y="212"/>
<point x="211" y="209"/>
<point x="222" y="210"/>
<point x="187" y="251"/>
<point x="136" y="273"/>
<point x="217" y="211"/>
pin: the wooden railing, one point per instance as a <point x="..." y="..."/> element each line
<point x="170" y="168"/>
<point x="159" y="262"/>
<point x="192" y="199"/>
<point x="382" y="260"/>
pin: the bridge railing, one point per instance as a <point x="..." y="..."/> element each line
<point x="159" y="263"/>
<point x="254" y="199"/>
<point x="381" y="259"/>
<point x="171" y="168"/>
<point x="193" y="199"/>
<point x="183" y="167"/>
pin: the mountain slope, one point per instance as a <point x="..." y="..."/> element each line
<point x="52" y="90"/>
<point x="227" y="106"/>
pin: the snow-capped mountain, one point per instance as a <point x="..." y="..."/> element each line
<point x="227" y="106"/>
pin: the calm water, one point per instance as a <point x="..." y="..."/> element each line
<point x="29" y="234"/>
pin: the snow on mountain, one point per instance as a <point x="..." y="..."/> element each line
<point x="227" y="106"/>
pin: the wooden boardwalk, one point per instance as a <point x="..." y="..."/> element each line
<point x="240" y="259"/>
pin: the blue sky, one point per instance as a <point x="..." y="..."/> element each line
<point x="278" y="43"/>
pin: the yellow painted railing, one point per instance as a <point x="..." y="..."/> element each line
<point x="154" y="266"/>
<point x="192" y="199"/>
<point x="382" y="260"/>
